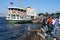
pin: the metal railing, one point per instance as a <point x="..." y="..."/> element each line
<point x="35" y="34"/>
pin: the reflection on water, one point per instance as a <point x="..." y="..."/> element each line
<point x="12" y="32"/>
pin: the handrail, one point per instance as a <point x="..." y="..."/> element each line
<point x="35" y="35"/>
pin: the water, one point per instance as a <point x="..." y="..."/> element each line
<point x="12" y="32"/>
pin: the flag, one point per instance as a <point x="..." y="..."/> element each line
<point x="11" y="3"/>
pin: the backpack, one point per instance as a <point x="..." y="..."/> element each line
<point x="50" y="20"/>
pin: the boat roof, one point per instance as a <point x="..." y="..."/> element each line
<point x="16" y="8"/>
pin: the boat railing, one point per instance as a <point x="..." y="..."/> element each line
<point x="35" y="34"/>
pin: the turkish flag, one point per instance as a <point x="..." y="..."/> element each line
<point x="11" y="3"/>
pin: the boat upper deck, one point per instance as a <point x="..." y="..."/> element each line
<point x="17" y="9"/>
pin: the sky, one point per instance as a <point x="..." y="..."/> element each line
<point x="41" y="6"/>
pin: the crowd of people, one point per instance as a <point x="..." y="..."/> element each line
<point x="50" y="25"/>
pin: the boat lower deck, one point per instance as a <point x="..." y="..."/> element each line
<point x="18" y="21"/>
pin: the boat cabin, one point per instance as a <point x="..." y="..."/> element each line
<point x="17" y="14"/>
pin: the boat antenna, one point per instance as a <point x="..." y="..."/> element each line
<point x="20" y="3"/>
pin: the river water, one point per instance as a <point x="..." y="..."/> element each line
<point x="13" y="31"/>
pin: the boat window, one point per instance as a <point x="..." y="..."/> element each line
<point x="11" y="8"/>
<point x="17" y="16"/>
<point x="23" y="10"/>
<point x="8" y="14"/>
<point x="21" y="16"/>
<point x="18" y="9"/>
<point x="15" y="8"/>
<point x="27" y="17"/>
<point x="13" y="16"/>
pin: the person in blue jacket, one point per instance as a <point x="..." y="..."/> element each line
<point x="56" y="26"/>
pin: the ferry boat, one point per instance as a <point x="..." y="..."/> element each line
<point x="19" y="15"/>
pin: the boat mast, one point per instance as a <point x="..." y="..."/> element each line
<point x="20" y="3"/>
